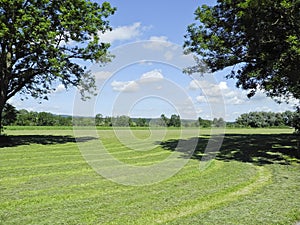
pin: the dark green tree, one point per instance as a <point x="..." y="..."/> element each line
<point x="164" y="121"/>
<point x="204" y="123"/>
<point x="99" y="120"/>
<point x="261" y="39"/>
<point x="122" y="121"/>
<point x="43" y="42"/>
<point x="25" y="118"/>
<point x="296" y="123"/>
<point x="218" y="122"/>
<point x="45" y="119"/>
<point x="108" y="121"/>
<point x="288" y="118"/>
<point x="142" y="122"/>
<point x="174" y="121"/>
<point x="267" y="119"/>
<point x="63" y="121"/>
<point x="9" y="115"/>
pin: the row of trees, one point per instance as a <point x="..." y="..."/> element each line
<point x="268" y="119"/>
<point x="12" y="116"/>
<point x="22" y="117"/>
<point x="27" y="118"/>
<point x="126" y="121"/>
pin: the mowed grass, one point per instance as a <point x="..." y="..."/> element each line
<point x="44" y="179"/>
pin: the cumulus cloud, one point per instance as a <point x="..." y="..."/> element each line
<point x="123" y="33"/>
<point x="60" y="88"/>
<point x="152" y="76"/>
<point x="158" y="43"/>
<point x="201" y="99"/>
<point x="102" y="75"/>
<point x="194" y="85"/>
<point x="169" y="55"/>
<point x="134" y="85"/>
<point x="158" y="38"/>
<point x="223" y="85"/>
<point x="126" y="86"/>
<point x="208" y="88"/>
<point x="216" y="93"/>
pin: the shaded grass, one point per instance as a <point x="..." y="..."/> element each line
<point x="246" y="146"/>
<point x="50" y="183"/>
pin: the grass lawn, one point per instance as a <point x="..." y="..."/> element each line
<point x="44" y="179"/>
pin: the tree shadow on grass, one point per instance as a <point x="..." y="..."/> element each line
<point x="259" y="149"/>
<point x="17" y="140"/>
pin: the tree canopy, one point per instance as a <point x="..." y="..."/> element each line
<point x="43" y="42"/>
<point x="260" y="39"/>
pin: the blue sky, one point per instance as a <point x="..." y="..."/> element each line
<point x="145" y="79"/>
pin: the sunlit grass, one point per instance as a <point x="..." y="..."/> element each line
<point x="47" y="181"/>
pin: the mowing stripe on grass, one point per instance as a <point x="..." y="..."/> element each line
<point x="232" y="194"/>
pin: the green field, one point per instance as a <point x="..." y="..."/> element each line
<point x="44" y="179"/>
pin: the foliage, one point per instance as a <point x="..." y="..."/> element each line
<point x="142" y="122"/>
<point x="174" y="121"/>
<point x="26" y="118"/>
<point x="261" y="39"/>
<point x="122" y="121"/>
<point x="9" y="114"/>
<point x="44" y="42"/>
<point x="267" y="119"/>
<point x="204" y="123"/>
<point x="296" y="122"/>
<point x="218" y="122"/>
<point x="253" y="119"/>
<point x="164" y="120"/>
<point x="99" y="120"/>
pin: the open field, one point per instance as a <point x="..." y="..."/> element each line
<point x="44" y="179"/>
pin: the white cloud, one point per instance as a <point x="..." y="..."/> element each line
<point x="209" y="89"/>
<point x="201" y="99"/>
<point x="152" y="76"/>
<point x="123" y="33"/>
<point x="134" y="85"/>
<point x="169" y="55"/>
<point x="194" y="85"/>
<point x="126" y="86"/>
<point x="159" y="38"/>
<point x="158" y="43"/>
<point x="215" y="93"/>
<point x="263" y="108"/>
<point x="234" y="100"/>
<point x="223" y="85"/>
<point x="186" y="108"/>
<point x="146" y="62"/>
<point x="59" y="89"/>
<point x="102" y="75"/>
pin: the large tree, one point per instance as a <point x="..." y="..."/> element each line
<point x="43" y="41"/>
<point x="260" y="39"/>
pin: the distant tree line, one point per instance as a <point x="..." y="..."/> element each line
<point x="268" y="119"/>
<point x="12" y="116"/>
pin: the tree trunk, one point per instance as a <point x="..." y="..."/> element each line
<point x="2" y="104"/>
<point x="298" y="146"/>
